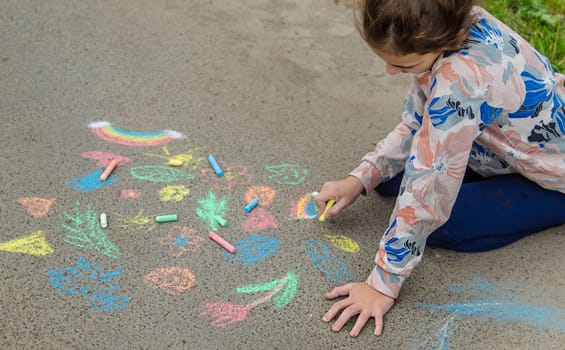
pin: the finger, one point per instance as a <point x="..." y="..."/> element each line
<point x="359" y="324"/>
<point x="338" y="291"/>
<point x="335" y="209"/>
<point x="335" y="309"/>
<point x="344" y="317"/>
<point x="378" y="325"/>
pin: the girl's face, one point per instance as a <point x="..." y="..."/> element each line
<point x="409" y="63"/>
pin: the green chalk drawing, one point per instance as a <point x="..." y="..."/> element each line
<point x="160" y="173"/>
<point x="210" y="208"/>
<point x="84" y="231"/>
<point x="287" y="174"/>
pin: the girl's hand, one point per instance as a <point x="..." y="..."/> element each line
<point x="344" y="192"/>
<point x="362" y="300"/>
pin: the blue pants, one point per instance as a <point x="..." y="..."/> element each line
<point x="493" y="212"/>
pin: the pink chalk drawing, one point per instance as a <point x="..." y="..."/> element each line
<point x="234" y="175"/>
<point x="171" y="280"/>
<point x="186" y="159"/>
<point x="264" y="193"/>
<point x="130" y="194"/>
<point x="280" y="291"/>
<point x="259" y="220"/>
<point x="181" y="240"/>
<point x="104" y="158"/>
<point x="37" y="207"/>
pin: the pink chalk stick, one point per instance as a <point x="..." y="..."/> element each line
<point x="109" y="169"/>
<point x="214" y="236"/>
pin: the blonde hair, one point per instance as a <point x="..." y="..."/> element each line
<point x="413" y="26"/>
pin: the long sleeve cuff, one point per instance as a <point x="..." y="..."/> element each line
<point x="385" y="282"/>
<point x="369" y="175"/>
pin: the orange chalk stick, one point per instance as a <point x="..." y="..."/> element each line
<point x="214" y="236"/>
<point x="113" y="164"/>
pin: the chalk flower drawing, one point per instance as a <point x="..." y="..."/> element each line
<point x="187" y="158"/>
<point x="280" y="291"/>
<point x="137" y="223"/>
<point x="287" y="174"/>
<point x="88" y="280"/>
<point x="211" y="207"/>
<point x="173" y="193"/>
<point x="33" y="244"/>
<point x="84" y="231"/>
<point x="181" y="240"/>
<point x="233" y="175"/>
<point x="171" y="280"/>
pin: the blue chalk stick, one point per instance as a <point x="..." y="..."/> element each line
<point x="215" y="165"/>
<point x="249" y="207"/>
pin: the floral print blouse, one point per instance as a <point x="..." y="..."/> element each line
<point x="496" y="106"/>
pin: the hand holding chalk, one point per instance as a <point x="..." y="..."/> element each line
<point x="337" y="195"/>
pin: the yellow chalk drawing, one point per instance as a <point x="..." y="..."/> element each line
<point x="344" y="243"/>
<point x="187" y="158"/>
<point x="173" y="193"/>
<point x="137" y="223"/>
<point x="33" y="244"/>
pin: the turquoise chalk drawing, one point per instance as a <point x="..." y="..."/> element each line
<point x="211" y="207"/>
<point x="84" y="231"/>
<point x="334" y="269"/>
<point x="89" y="281"/>
<point x="253" y="250"/>
<point x="287" y="174"/>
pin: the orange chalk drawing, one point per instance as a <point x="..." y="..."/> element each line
<point x="137" y="223"/>
<point x="130" y="194"/>
<point x="37" y="207"/>
<point x="264" y="193"/>
<point x="181" y="240"/>
<point x="173" y="193"/>
<point x="259" y="220"/>
<point x="187" y="158"/>
<point x="32" y="244"/>
<point x="171" y="280"/>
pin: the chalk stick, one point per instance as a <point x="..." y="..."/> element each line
<point x="103" y="220"/>
<point x="175" y="162"/>
<point x="214" y="236"/>
<point x="113" y="164"/>
<point x="249" y="207"/>
<point x="166" y="218"/>
<point x="215" y="165"/>
<point x="329" y="204"/>
<point x="220" y="220"/>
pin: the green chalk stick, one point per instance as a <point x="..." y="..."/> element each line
<point x="166" y="218"/>
<point x="220" y="220"/>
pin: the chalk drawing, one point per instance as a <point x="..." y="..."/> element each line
<point x="234" y="175"/>
<point x="33" y="244"/>
<point x="211" y="207"/>
<point x="84" y="231"/>
<point x="259" y="220"/>
<point x="287" y="174"/>
<point x="171" y="280"/>
<point x="304" y="208"/>
<point x="253" y="249"/>
<point x="159" y="173"/>
<point x="334" y="269"/>
<point x="344" y="243"/>
<point x="496" y="301"/>
<point x="107" y="132"/>
<point x="138" y="223"/>
<point x="173" y="193"/>
<point x="105" y="158"/>
<point x="264" y="193"/>
<point x="187" y="158"/>
<point x="130" y="194"/>
<point x="37" y="207"/>
<point x="90" y="182"/>
<point x="181" y="240"/>
<point x="280" y="291"/>
<point x="89" y="281"/>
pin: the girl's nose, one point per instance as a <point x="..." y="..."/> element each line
<point x="392" y="70"/>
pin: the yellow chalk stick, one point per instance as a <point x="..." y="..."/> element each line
<point x="329" y="204"/>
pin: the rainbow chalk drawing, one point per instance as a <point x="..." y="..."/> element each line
<point x="280" y="291"/>
<point x="253" y="250"/>
<point x="32" y="244"/>
<point x="37" y="207"/>
<point x="84" y="231"/>
<point x="259" y="220"/>
<point x="159" y="173"/>
<point x="138" y="223"/>
<point x="211" y="207"/>
<point x="90" y="182"/>
<point x="107" y="132"/>
<point x="498" y="301"/>
<point x="186" y="159"/>
<point x="344" y="243"/>
<point x="181" y="240"/>
<point x="173" y="193"/>
<point x="171" y="280"/>
<point x="287" y="174"/>
<point x="304" y="208"/>
<point x="89" y="281"/>
<point x="334" y="269"/>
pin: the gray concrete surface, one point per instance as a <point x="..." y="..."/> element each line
<point x="257" y="83"/>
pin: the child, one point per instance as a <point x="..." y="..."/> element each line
<point x="480" y="98"/>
